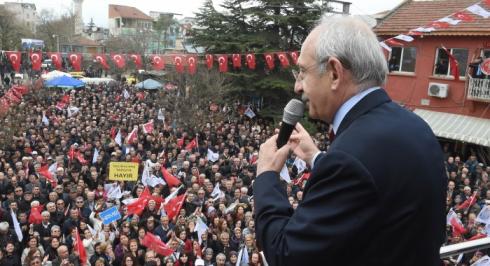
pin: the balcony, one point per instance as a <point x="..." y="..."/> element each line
<point x="479" y="90"/>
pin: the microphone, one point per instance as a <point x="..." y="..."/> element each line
<point x="293" y="112"/>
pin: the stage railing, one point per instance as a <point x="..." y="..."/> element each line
<point x="464" y="247"/>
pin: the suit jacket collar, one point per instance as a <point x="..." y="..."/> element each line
<point x="369" y="102"/>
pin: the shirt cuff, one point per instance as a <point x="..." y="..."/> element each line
<point x="312" y="163"/>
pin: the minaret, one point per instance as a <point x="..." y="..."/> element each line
<point x="77" y="11"/>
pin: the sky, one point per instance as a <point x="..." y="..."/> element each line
<point x="98" y="9"/>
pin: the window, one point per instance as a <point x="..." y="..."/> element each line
<point x="442" y="66"/>
<point x="402" y="59"/>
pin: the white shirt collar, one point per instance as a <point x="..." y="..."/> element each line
<point x="347" y="106"/>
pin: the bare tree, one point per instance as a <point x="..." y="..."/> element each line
<point x="53" y="29"/>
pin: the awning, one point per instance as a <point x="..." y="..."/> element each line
<point x="457" y="127"/>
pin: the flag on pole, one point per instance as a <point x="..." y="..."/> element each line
<point x="453" y="63"/>
<point x="126" y="94"/>
<point x="154" y="243"/>
<point x="484" y="215"/>
<point x="45" y="120"/>
<point x="172" y="208"/>
<point x="242" y="257"/>
<point x="172" y="195"/>
<point x="171" y="180"/>
<point x="96" y="155"/>
<point x="133" y="136"/>
<point x="450" y="21"/>
<point x="200" y="228"/>
<point x="148" y="127"/>
<point x="118" y="138"/>
<point x="212" y="156"/>
<point x="78" y="246"/>
<point x="249" y="113"/>
<point x="161" y="115"/>
<point x="18" y="231"/>
<point x="217" y="193"/>
<point x="405" y="38"/>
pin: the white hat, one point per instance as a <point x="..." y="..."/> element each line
<point x="199" y="262"/>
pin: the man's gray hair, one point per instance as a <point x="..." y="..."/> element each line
<point x="355" y="45"/>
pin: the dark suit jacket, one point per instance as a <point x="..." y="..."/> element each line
<point x="376" y="197"/>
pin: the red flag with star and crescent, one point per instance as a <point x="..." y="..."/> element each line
<point x="283" y="58"/>
<point x="154" y="243"/>
<point x="294" y="56"/>
<point x="136" y="60"/>
<point x="171" y="180"/>
<point x="75" y="61"/>
<point x="56" y="59"/>
<point x="102" y="60"/>
<point x="14" y="58"/>
<point x="172" y="208"/>
<point x="192" y="64"/>
<point x="209" y="61"/>
<point x="118" y="60"/>
<point x="179" y="64"/>
<point x="250" y="59"/>
<point x="269" y="60"/>
<point x="36" y="58"/>
<point x="44" y="171"/>
<point x="223" y="63"/>
<point x="139" y="205"/>
<point x="157" y="62"/>
<point x="237" y="60"/>
<point x="78" y="246"/>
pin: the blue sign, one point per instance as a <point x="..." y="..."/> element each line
<point x="110" y="215"/>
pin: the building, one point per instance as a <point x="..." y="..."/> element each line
<point x="420" y="75"/>
<point x="25" y="14"/>
<point x="128" y="21"/>
<point x="171" y="39"/>
<point x="80" y="44"/>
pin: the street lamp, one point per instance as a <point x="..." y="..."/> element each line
<point x="57" y="42"/>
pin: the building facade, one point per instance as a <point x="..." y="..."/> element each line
<point x="127" y="21"/>
<point x="25" y="14"/>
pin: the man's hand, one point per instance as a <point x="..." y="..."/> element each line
<point x="302" y="144"/>
<point x="270" y="158"/>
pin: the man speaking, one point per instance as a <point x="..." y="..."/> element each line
<point x="377" y="196"/>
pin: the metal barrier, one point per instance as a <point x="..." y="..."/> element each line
<point x="465" y="247"/>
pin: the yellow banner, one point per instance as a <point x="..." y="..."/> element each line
<point x="123" y="171"/>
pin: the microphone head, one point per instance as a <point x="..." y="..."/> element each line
<point x="293" y="112"/>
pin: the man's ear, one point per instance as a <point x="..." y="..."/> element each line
<point x="336" y="72"/>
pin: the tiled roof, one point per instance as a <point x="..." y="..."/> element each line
<point x="413" y="14"/>
<point x="118" y="11"/>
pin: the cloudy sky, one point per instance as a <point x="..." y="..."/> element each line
<point x="98" y="9"/>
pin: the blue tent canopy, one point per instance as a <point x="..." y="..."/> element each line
<point x="64" y="82"/>
<point x="149" y="84"/>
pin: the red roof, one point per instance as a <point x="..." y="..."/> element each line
<point x="118" y="11"/>
<point x="413" y="14"/>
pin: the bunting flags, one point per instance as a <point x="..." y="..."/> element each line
<point x="223" y="63"/>
<point x="463" y="16"/>
<point x="75" y="61"/>
<point x="404" y="37"/>
<point x="157" y="62"/>
<point x="209" y="61"/>
<point x="56" y="60"/>
<point x="250" y="61"/>
<point x="237" y="60"/>
<point x="118" y="60"/>
<point x="136" y="60"/>
<point x="14" y="58"/>
<point x="269" y="60"/>
<point x="36" y="58"/>
<point x="294" y="56"/>
<point x="192" y="64"/>
<point x="179" y="64"/>
<point x="283" y="59"/>
<point x="102" y="60"/>
<point x="478" y="10"/>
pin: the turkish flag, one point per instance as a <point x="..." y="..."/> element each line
<point x="223" y="63"/>
<point x="179" y="64"/>
<point x="157" y="62"/>
<point x="60" y="105"/>
<point x="458" y="228"/>
<point x="154" y="243"/>
<point x="468" y="202"/>
<point x="250" y="58"/>
<point x="172" y="208"/>
<point x="439" y="24"/>
<point x="192" y="64"/>
<point x="180" y="142"/>
<point x="237" y="60"/>
<point x="65" y="98"/>
<point x="12" y="98"/>
<point x="44" y="171"/>
<point x="14" y="58"/>
<point x="133" y="136"/>
<point x="294" y="55"/>
<point x="191" y="145"/>
<point x="102" y="60"/>
<point x="136" y="60"/>
<point x="139" y="205"/>
<point x="283" y="58"/>
<point x="463" y="16"/>
<point x="81" y="159"/>
<point x="118" y="60"/>
<point x="72" y="153"/>
<point x="171" y="180"/>
<point x="35" y="215"/>
<point x="56" y="59"/>
<point x="454" y="66"/>
<point x="304" y="176"/>
<point x="209" y="61"/>
<point x="269" y="60"/>
<point x="79" y="248"/>
<point x="148" y="127"/>
<point x="478" y="236"/>
<point x="36" y="58"/>
<point x="76" y="61"/>
<point x="392" y="42"/>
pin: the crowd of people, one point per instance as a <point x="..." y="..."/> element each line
<point x="71" y="199"/>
